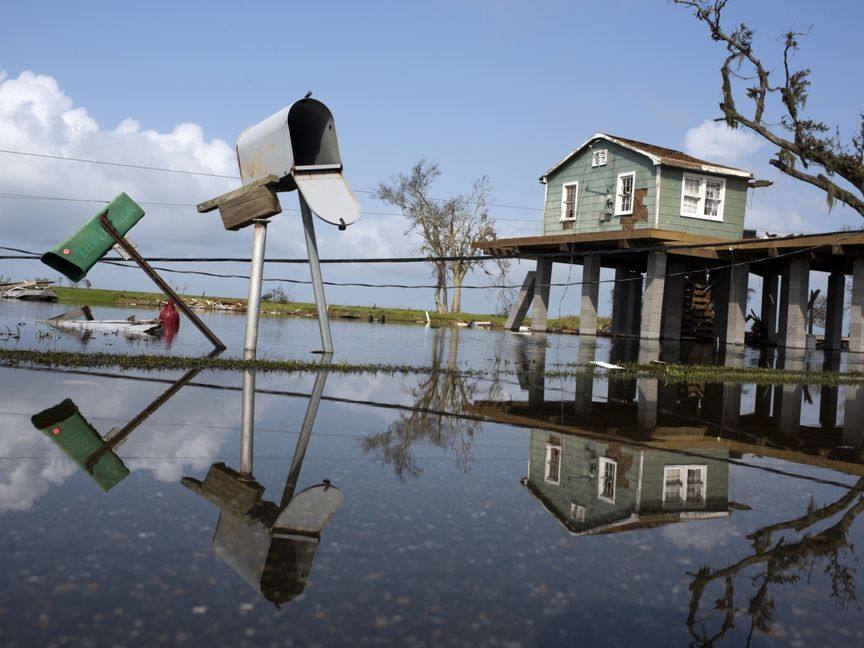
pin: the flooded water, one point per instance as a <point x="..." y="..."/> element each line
<point x="506" y="509"/>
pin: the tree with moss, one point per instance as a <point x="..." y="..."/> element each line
<point x="806" y="149"/>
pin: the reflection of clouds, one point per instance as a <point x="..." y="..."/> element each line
<point x="380" y="389"/>
<point x="165" y="445"/>
<point x="168" y="452"/>
<point x="701" y="535"/>
<point x="29" y="465"/>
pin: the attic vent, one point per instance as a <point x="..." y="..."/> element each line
<point x="577" y="512"/>
<point x="598" y="157"/>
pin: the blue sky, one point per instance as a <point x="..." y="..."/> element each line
<point x="501" y="88"/>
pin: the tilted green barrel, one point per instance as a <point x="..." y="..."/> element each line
<point x="65" y="426"/>
<point x="76" y="255"/>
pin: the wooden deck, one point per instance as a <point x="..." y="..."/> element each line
<point x="825" y="252"/>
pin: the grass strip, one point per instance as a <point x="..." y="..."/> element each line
<point x="668" y="373"/>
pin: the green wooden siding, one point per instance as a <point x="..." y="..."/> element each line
<point x="732" y="226"/>
<point x="580" y="458"/>
<point x="591" y="210"/>
<point x="593" y="182"/>
<point x="579" y="473"/>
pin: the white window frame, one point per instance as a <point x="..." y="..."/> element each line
<point x="619" y="193"/>
<point x="599" y="157"/>
<point x="577" y="512"/>
<point x="702" y="198"/>
<point x="686" y="502"/>
<point x="564" y="188"/>
<point x="601" y="473"/>
<point x="551" y="450"/>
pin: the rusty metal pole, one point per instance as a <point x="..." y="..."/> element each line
<point x="146" y="267"/>
<point x="317" y="281"/>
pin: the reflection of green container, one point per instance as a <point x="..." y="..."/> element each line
<point x="76" y="255"/>
<point x="64" y="425"/>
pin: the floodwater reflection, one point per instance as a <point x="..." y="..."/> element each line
<point x="779" y="559"/>
<point x="437" y="396"/>
<point x="508" y="505"/>
<point x="271" y="546"/>
<point x="71" y="432"/>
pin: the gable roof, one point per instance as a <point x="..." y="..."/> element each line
<point x="657" y="155"/>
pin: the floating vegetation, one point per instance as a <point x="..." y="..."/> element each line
<point x="665" y="372"/>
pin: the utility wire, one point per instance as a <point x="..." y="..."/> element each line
<point x="200" y="173"/>
<point x="123" y="264"/>
<point x="120" y="164"/>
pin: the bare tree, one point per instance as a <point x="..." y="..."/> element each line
<point x="448" y="227"/>
<point x="434" y="419"/>
<point x="825" y="159"/>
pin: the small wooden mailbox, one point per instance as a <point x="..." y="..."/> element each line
<point x="295" y="148"/>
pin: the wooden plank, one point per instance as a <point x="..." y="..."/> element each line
<point x="243" y="210"/>
<point x="215" y="203"/>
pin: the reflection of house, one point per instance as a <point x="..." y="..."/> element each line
<point x="605" y="486"/>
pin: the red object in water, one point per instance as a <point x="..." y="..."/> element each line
<point x="170" y="318"/>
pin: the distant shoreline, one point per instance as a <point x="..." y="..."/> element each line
<point x="102" y="297"/>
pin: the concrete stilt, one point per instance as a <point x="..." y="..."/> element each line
<point x="856" y="314"/>
<point x="585" y="383"/>
<point x="730" y="303"/>
<point x="768" y="314"/>
<point x="634" y="304"/>
<point x="793" y="305"/>
<point x="537" y="371"/>
<point x="590" y="295"/>
<point x="853" y="410"/>
<point x="834" y="311"/>
<point x="673" y="301"/>
<point x="540" y="307"/>
<point x="647" y="389"/>
<point x="620" y="296"/>
<point x="788" y="398"/>
<point x="522" y="303"/>
<point x="652" y="303"/>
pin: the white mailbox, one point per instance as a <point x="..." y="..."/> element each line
<point x="298" y="145"/>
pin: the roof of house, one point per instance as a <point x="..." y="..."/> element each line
<point x="657" y="154"/>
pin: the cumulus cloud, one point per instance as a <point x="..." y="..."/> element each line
<point x="37" y="116"/>
<point x="714" y="141"/>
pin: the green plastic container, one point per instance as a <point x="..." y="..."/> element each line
<point x="75" y="256"/>
<point x="65" y="426"/>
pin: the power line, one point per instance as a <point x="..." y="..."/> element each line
<point x="119" y="164"/>
<point x="565" y="284"/>
<point x="17" y="196"/>
<point x="200" y="173"/>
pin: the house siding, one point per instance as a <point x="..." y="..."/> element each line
<point x="579" y="473"/>
<point x="732" y="226"/>
<point x="591" y="210"/>
<point x="593" y="182"/>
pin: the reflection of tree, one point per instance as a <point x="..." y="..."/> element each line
<point x="437" y="398"/>
<point x="783" y="562"/>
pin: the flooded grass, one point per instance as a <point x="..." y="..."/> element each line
<point x="664" y="372"/>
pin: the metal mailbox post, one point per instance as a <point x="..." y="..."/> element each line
<point x="295" y="148"/>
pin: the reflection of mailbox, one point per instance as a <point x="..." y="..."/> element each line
<point x="295" y="148"/>
<point x="272" y="549"/>
<point x="65" y="426"/>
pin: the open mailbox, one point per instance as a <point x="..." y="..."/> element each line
<point x="295" y="148"/>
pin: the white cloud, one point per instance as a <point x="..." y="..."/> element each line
<point x="36" y="116"/>
<point x="714" y="141"/>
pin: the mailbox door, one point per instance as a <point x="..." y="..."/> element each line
<point x="329" y="196"/>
